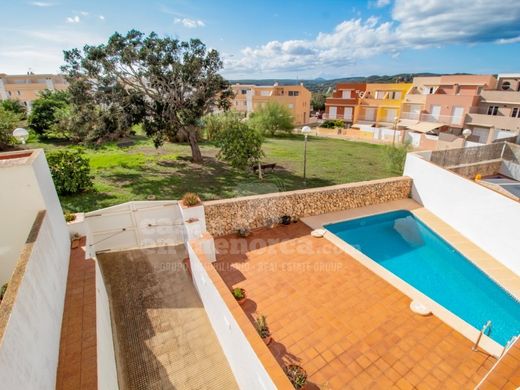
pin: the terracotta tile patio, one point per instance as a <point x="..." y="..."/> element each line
<point x="506" y="373"/>
<point x="346" y="326"/>
<point x="77" y="367"/>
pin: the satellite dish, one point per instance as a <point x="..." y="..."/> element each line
<point x="21" y="134"/>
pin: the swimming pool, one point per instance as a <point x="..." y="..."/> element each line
<point x="403" y="245"/>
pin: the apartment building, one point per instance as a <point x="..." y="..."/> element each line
<point x="27" y="87"/>
<point x="380" y="104"/>
<point x="249" y="98"/>
<point x="498" y="112"/>
<point x="453" y="98"/>
<point x="343" y="102"/>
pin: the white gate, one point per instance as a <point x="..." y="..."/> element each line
<point x="136" y="225"/>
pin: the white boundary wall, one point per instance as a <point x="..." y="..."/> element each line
<point x="248" y="370"/>
<point x="29" y="351"/>
<point x="488" y="219"/>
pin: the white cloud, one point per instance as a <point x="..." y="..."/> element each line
<point x="189" y="23"/>
<point x="101" y="17"/>
<point x="84" y="13"/>
<point x="414" y="24"/>
<point x="382" y="3"/>
<point x="42" y="4"/>
<point x="73" y="19"/>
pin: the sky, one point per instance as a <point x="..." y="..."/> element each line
<point x="279" y="38"/>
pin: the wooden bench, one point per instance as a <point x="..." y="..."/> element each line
<point x="264" y="167"/>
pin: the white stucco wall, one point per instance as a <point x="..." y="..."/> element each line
<point x="248" y="370"/>
<point x="106" y="360"/>
<point x="29" y="350"/>
<point x="485" y="217"/>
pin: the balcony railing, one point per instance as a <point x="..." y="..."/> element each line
<point x="446" y="119"/>
<point x="411" y="115"/>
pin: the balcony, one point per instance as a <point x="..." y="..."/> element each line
<point x="449" y="120"/>
<point x="415" y="116"/>
<point x="480" y="118"/>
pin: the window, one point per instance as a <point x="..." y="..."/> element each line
<point x="243" y="91"/>
<point x="515" y="113"/>
<point x="294" y="93"/>
<point x="380" y="95"/>
<point x="18" y="93"/>
<point x="506" y="85"/>
<point x="394" y="95"/>
<point x="265" y="93"/>
<point x="346" y="94"/>
<point x="492" y="110"/>
<point x="430" y="90"/>
<point x="9" y="93"/>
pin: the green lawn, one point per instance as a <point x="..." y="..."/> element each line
<point x="137" y="172"/>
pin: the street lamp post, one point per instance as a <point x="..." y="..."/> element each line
<point x="466" y="133"/>
<point x="21" y="134"/>
<point x="396" y="121"/>
<point x="305" y="131"/>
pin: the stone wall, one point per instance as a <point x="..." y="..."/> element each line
<point x="227" y="215"/>
<point x="486" y="168"/>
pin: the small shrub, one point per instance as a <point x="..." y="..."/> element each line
<point x="333" y="123"/>
<point x="261" y="327"/>
<point x="396" y="156"/>
<point x="239" y="293"/>
<point x="339" y="123"/>
<point x="190" y="199"/>
<point x="69" y="217"/>
<point x="70" y="171"/>
<point x="328" y="124"/>
<point x="297" y="375"/>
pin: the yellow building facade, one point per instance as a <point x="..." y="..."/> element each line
<point x="380" y="104"/>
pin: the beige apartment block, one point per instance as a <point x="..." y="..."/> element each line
<point x="27" y="87"/>
<point x="249" y="98"/>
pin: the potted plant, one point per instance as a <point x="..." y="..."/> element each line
<point x="243" y="232"/>
<point x="286" y="220"/>
<point x="297" y="376"/>
<point x="69" y="217"/>
<point x="75" y="241"/>
<point x="239" y="294"/>
<point x="263" y="329"/>
<point x="190" y="199"/>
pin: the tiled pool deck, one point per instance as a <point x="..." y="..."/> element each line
<point x="341" y="322"/>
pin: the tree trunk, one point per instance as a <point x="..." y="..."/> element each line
<point x="196" y="155"/>
<point x="260" y="170"/>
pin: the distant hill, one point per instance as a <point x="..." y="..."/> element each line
<point x="323" y="86"/>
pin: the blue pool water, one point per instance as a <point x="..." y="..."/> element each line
<point x="409" y="249"/>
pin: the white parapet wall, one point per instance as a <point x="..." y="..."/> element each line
<point x="245" y="364"/>
<point x="30" y="336"/>
<point x="485" y="217"/>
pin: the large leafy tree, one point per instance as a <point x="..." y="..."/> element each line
<point x="176" y="82"/>
<point x="43" y="111"/>
<point x="14" y="106"/>
<point x="273" y="117"/>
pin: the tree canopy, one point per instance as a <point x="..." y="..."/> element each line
<point x="8" y="122"/>
<point x="240" y="144"/>
<point x="174" y="83"/>
<point x="44" y="108"/>
<point x="273" y="117"/>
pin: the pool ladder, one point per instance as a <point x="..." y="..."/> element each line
<point x="484" y="328"/>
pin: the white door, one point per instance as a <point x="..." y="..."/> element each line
<point x="456" y="115"/>
<point x="332" y="112"/>
<point x="370" y="114"/>
<point x="348" y="113"/>
<point x="435" y="111"/>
